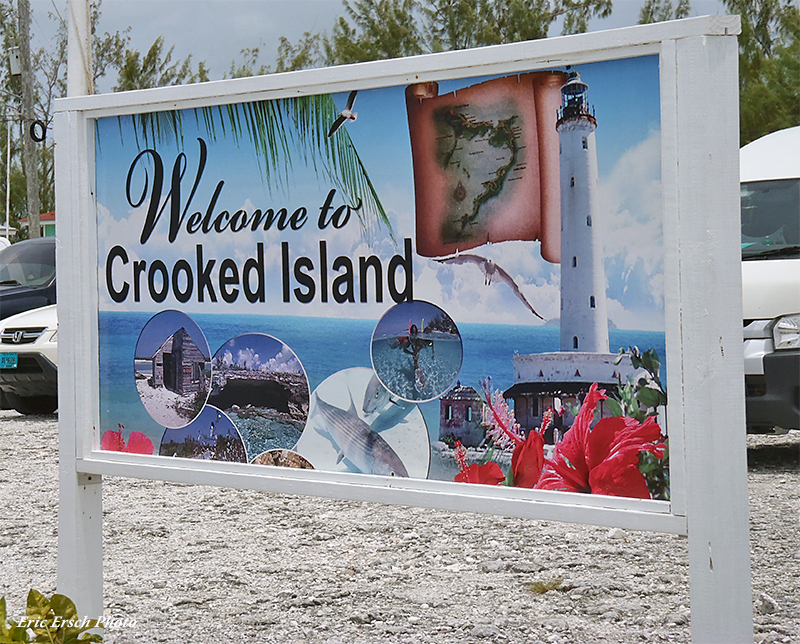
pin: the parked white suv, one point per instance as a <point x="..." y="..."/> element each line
<point x="29" y="361"/>
<point x="770" y="186"/>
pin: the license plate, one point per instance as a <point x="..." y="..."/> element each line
<point x="8" y="360"/>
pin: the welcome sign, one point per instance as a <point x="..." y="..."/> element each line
<point x="410" y="282"/>
<point x="342" y="281"/>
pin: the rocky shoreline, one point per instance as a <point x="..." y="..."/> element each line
<point x="203" y="564"/>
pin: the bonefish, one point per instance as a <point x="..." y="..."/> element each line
<point x="376" y="396"/>
<point x="364" y="448"/>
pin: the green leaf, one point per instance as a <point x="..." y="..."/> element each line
<point x="650" y="361"/>
<point x="650" y="397"/>
<point x="277" y="130"/>
<point x="38" y="607"/>
<point x="14" y="634"/>
<point x="3" y="628"/>
<point x="614" y="407"/>
<point x="63" y="606"/>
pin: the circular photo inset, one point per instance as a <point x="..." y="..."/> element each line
<point x="356" y="425"/>
<point x="416" y="351"/>
<point x="259" y="382"/>
<point x="210" y="437"/>
<point x="283" y="458"/>
<point x="172" y="368"/>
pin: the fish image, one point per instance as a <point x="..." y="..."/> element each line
<point x="357" y="442"/>
<point x="492" y="272"/>
<point x="347" y="114"/>
<point x="376" y="396"/>
<point x="392" y="415"/>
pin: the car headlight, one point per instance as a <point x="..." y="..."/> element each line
<point x="786" y="332"/>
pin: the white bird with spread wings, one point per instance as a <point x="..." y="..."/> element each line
<point x="491" y="272"/>
<point x="347" y="114"/>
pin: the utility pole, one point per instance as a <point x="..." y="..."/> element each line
<point x="29" y="145"/>
<point x="80" y="75"/>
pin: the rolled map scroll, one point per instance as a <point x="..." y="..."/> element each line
<point x="486" y="165"/>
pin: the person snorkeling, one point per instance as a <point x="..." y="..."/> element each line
<point x="413" y="344"/>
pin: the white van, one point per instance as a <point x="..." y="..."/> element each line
<point x="770" y="188"/>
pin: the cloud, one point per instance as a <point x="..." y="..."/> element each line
<point x="461" y="289"/>
<point x="285" y="361"/>
<point x="631" y="207"/>
<point x="633" y="239"/>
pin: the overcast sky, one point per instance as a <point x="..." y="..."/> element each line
<point x="215" y="31"/>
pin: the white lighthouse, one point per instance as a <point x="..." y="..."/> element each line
<point x="584" y="322"/>
<point x="541" y="379"/>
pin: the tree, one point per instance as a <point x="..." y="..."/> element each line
<point x="49" y="84"/>
<point x="769" y="66"/>
<point x="156" y="69"/>
<point x="11" y="89"/>
<point x="380" y="29"/>
<point x="111" y="52"/>
<point x="249" y="66"/>
<point x="661" y="10"/>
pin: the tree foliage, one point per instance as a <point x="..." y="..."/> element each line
<point x="661" y="10"/>
<point x="156" y="69"/>
<point x="381" y="29"/>
<point x="769" y="66"/>
<point x="250" y="66"/>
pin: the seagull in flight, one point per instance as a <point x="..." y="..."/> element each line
<point x="492" y="272"/>
<point x="347" y="114"/>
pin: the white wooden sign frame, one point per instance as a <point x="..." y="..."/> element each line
<point x="699" y="141"/>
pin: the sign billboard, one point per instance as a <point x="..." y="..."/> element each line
<point x="404" y="282"/>
<point x="354" y="291"/>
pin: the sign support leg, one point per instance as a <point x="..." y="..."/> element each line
<point x="80" y="540"/>
<point x="715" y="453"/>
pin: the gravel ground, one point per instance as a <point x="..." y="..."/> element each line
<point x="202" y="564"/>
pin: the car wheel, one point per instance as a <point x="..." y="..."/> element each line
<point x="33" y="404"/>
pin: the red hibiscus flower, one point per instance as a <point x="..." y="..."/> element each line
<point x="602" y="459"/>
<point x="138" y="443"/>
<point x="527" y="461"/>
<point x="488" y="474"/>
<point x="528" y="458"/>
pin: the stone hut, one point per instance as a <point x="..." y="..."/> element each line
<point x="179" y="365"/>
<point x="460" y="416"/>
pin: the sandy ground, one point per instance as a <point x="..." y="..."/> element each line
<point x="166" y="407"/>
<point x="202" y="564"/>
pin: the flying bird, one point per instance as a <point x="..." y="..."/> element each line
<point x="347" y="114"/>
<point x="492" y="272"/>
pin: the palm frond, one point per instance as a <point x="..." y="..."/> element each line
<point x="312" y="117"/>
<point x="278" y="129"/>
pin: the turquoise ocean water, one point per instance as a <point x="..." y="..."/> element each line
<point x="324" y="346"/>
